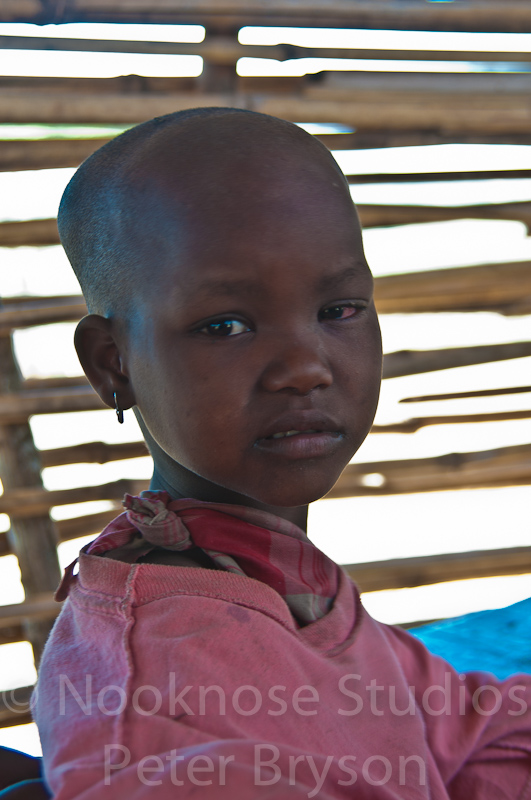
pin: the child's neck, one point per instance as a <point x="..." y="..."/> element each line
<point x="180" y="482"/>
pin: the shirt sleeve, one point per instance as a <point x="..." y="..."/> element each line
<point x="478" y="727"/>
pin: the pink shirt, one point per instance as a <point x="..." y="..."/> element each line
<point x="164" y="682"/>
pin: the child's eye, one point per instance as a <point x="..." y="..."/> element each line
<point x="224" y="327"/>
<point x="339" y="312"/>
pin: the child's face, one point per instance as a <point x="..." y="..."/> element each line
<point x="260" y="323"/>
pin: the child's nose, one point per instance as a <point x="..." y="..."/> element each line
<point x="298" y="365"/>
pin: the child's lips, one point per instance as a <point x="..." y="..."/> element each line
<point x="302" y="444"/>
<point x="304" y="434"/>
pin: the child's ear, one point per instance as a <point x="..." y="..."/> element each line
<point x="100" y="358"/>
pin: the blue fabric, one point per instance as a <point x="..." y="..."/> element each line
<point x="497" y="641"/>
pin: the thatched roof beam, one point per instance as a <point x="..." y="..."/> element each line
<point x="399" y="573"/>
<point x="481" y="15"/>
<point x="226" y="50"/>
<point x="35" y="232"/>
<point x="377" y="216"/>
<point x="414" y="362"/>
<point x="428" y="398"/>
<point x="26" y="312"/>
<point x="504" y="287"/>
<point x="18" y="406"/>
<point x="497" y="108"/>
<point x="93" y="453"/>
<point x="15" y="706"/>
<point x="44" y="231"/>
<point x="415" y="424"/>
<point x="32" y="502"/>
<point x="56" y="153"/>
<point x="506" y="466"/>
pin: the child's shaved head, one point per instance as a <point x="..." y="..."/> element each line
<point x="231" y="303"/>
<point x="110" y="212"/>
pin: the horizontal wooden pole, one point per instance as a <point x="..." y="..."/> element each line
<point x="24" y="312"/>
<point x="436" y="177"/>
<point x="56" y="153"/>
<point x="44" y="231"/>
<point x="18" y="406"/>
<point x="87" y="525"/>
<point x="93" y="453"/>
<point x="24" y="503"/>
<point x="368" y="140"/>
<point x="505" y="288"/>
<point x="400" y="573"/>
<point x="506" y="466"/>
<point x="39" y="607"/>
<point x="415" y="424"/>
<point x="35" y="107"/>
<point x="31" y="232"/>
<point x="428" y="398"/>
<point x="492" y="112"/>
<point x="479" y="89"/>
<point x="46" y="153"/>
<point x="481" y="15"/>
<point x="15" y="706"/>
<point x="370" y="577"/>
<point x="376" y="216"/>
<point x="225" y="50"/>
<point x="55" y="383"/>
<point x="414" y="362"/>
<point x="73" y="528"/>
<point x="68" y="395"/>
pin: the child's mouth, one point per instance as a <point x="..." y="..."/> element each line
<point x="291" y="433"/>
<point x="306" y="444"/>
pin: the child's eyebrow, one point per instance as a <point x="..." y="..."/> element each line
<point x="355" y="272"/>
<point x="230" y="286"/>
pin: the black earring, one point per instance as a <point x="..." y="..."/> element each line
<point x="119" y="411"/>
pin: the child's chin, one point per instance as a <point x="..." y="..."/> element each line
<point x="292" y="497"/>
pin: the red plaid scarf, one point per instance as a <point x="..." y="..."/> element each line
<point x="239" y="539"/>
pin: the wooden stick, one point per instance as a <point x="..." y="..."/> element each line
<point x="363" y="140"/>
<point x="33" y="502"/>
<point x="33" y="232"/>
<point x="41" y="606"/>
<point x="15" y="706"/>
<point x="399" y="573"/>
<point x="44" y="231"/>
<point x="483" y="15"/>
<point x="414" y="362"/>
<point x="46" y="153"/>
<point x="437" y="177"/>
<point x="93" y="453"/>
<point x="225" y="50"/>
<point x="415" y="424"/>
<point x="375" y="216"/>
<point x="506" y="466"/>
<point x="462" y="395"/>
<point x="24" y="312"/>
<point x="18" y="406"/>
<point x="78" y="395"/>
<point x="505" y="288"/>
<point x="88" y="525"/>
<point x="509" y="115"/>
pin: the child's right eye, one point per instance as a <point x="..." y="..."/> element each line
<point x="224" y="327"/>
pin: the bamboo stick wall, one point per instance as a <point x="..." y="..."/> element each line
<point x="385" y="111"/>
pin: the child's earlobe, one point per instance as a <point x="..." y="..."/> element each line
<point x="99" y="354"/>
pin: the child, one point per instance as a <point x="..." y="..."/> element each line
<point x="207" y="649"/>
